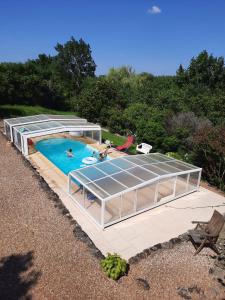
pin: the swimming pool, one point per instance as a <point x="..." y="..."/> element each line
<point x="55" y="151"/>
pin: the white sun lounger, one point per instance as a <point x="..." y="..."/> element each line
<point x="144" y="148"/>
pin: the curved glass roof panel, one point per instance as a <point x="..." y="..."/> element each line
<point x="108" y="168"/>
<point x="142" y="173"/>
<point x="92" y="173"/>
<point x="155" y="169"/>
<point x="116" y="176"/>
<point x="48" y="125"/>
<point x="182" y="166"/>
<point x="127" y="179"/>
<point x="43" y="118"/>
<point x="63" y="117"/>
<point x="146" y="159"/>
<point x="96" y="190"/>
<point x="23" y="120"/>
<point x="122" y="163"/>
<point x="110" y="186"/>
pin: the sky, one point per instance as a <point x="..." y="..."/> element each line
<point x="151" y="36"/>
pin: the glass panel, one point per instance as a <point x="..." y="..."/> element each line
<point x="18" y="139"/>
<point x="42" y="117"/>
<point x="96" y="135"/>
<point x="146" y="196"/>
<point x="28" y="119"/>
<point x="160" y="157"/>
<point x="193" y="181"/>
<point x="92" y="173"/>
<point x="147" y="159"/>
<point x="135" y="160"/>
<point x="32" y="127"/>
<point x="77" y="191"/>
<point x="15" y="138"/>
<point x="166" y="189"/>
<point x="112" y="210"/>
<point x="80" y="177"/>
<point x="181" y="185"/>
<point x="7" y="130"/>
<point x="43" y="125"/>
<point x="88" y="134"/>
<point x="179" y="165"/>
<point x="13" y="121"/>
<point x="53" y="124"/>
<point x="167" y="168"/>
<point x="78" y="122"/>
<point x="108" y="168"/>
<point x="121" y="163"/>
<point x="155" y="169"/>
<point x="110" y="186"/>
<point x="187" y="165"/>
<point x="22" y="128"/>
<point x="92" y="205"/>
<point x="23" y="120"/>
<point x="97" y="190"/>
<point x="142" y="173"/>
<point x="128" y="203"/>
<point x="127" y="179"/>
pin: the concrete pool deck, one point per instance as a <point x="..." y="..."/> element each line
<point x="133" y="235"/>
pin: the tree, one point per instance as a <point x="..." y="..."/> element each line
<point x="204" y="71"/>
<point x="181" y="76"/>
<point x="209" y="153"/>
<point x="74" y="63"/>
<point x="152" y="132"/>
<point x="147" y="122"/>
<point x="123" y="73"/>
<point x="96" y="99"/>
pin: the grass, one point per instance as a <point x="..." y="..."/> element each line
<point x="11" y="111"/>
<point x="118" y="140"/>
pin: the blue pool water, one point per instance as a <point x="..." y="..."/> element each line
<point x="55" y="151"/>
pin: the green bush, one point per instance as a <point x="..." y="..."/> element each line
<point x="114" y="266"/>
<point x="174" y="155"/>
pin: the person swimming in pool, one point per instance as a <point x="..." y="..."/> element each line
<point x="69" y="152"/>
<point x="103" y="154"/>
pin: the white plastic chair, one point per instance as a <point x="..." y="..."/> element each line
<point x="144" y="148"/>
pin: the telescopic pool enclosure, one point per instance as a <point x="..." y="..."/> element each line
<point x="116" y="189"/>
<point x="19" y="130"/>
<point x="119" y="188"/>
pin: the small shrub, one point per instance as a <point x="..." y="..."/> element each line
<point x="114" y="266"/>
<point x="174" y="155"/>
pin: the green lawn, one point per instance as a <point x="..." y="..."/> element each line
<point x="118" y="140"/>
<point x="10" y="111"/>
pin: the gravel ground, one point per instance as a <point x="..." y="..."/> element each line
<point x="41" y="258"/>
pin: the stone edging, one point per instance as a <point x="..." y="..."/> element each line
<point x="161" y="246"/>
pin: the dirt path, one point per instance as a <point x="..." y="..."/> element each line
<point x="41" y="257"/>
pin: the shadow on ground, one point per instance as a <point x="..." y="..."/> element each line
<point x="16" y="276"/>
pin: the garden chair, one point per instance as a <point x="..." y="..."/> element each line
<point x="127" y="144"/>
<point x="144" y="148"/>
<point x="206" y="234"/>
